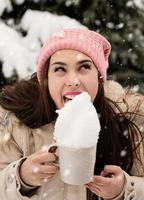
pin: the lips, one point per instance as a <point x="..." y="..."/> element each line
<point x="68" y="96"/>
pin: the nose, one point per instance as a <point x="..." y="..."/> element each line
<point x="73" y="81"/>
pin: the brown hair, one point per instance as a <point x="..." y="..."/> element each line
<point x="28" y="101"/>
<point x="32" y="104"/>
<point x="118" y="133"/>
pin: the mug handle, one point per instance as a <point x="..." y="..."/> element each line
<point x="51" y="149"/>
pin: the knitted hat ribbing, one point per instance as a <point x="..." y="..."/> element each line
<point x="83" y="40"/>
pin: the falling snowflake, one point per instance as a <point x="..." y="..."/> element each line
<point x="35" y="170"/>
<point x="129" y="4"/>
<point x="45" y="194"/>
<point x="45" y="180"/>
<point x="97" y="22"/>
<point x="67" y="172"/>
<point x="119" y="26"/>
<point x="130" y="50"/>
<point x="110" y="25"/>
<point x="135" y="88"/>
<point x="125" y="133"/>
<point x="45" y="148"/>
<point x="123" y="153"/>
<point x="130" y="36"/>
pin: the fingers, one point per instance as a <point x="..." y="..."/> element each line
<point x="47" y="169"/>
<point x="38" y="166"/>
<point x="110" y="170"/>
<point x="93" y="188"/>
<point x="44" y="173"/>
<point x="109" y="184"/>
<point x="37" y="174"/>
<point x="107" y="175"/>
<point x="43" y="157"/>
<point x="106" y="178"/>
<point x="100" y="181"/>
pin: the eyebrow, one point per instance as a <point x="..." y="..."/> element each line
<point x="79" y="62"/>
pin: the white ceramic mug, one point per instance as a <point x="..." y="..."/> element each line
<point x="76" y="165"/>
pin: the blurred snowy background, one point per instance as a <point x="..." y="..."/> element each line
<point x="25" y="25"/>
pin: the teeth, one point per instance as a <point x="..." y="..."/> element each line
<point x="67" y="100"/>
<point x="70" y="97"/>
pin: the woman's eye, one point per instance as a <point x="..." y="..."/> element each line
<point x="86" y="66"/>
<point x="59" y="69"/>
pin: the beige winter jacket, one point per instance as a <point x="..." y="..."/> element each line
<point x="25" y="141"/>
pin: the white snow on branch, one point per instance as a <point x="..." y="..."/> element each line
<point x="14" y="54"/>
<point x="139" y="3"/>
<point x="5" y="5"/>
<point x="18" y="2"/>
<point x="18" y="53"/>
<point x="40" y="25"/>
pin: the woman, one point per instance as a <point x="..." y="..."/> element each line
<point x="71" y="62"/>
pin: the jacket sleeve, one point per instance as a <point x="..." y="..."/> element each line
<point x="134" y="188"/>
<point x="11" y="156"/>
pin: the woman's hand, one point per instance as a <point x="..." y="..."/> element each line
<point x="38" y="168"/>
<point x="109" y="184"/>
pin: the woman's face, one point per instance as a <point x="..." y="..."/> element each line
<point x="71" y="73"/>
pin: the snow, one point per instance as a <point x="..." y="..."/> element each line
<point x="20" y="53"/>
<point x="18" y="2"/>
<point x="72" y="2"/>
<point x="123" y="153"/>
<point x="135" y="88"/>
<point x="14" y="54"/>
<point x="5" y="5"/>
<point x="139" y="3"/>
<point x="35" y="170"/>
<point x="45" y="194"/>
<point x="38" y="28"/>
<point x="120" y="26"/>
<point x="110" y="25"/>
<point x="77" y="125"/>
<point x="125" y="133"/>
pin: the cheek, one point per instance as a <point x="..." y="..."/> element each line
<point x="92" y="88"/>
<point x="94" y="91"/>
<point x="55" y="90"/>
<point x="53" y="87"/>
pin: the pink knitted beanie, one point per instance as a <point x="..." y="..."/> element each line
<point x="83" y="40"/>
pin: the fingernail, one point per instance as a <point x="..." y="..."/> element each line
<point x="92" y="179"/>
<point x="45" y="180"/>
